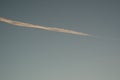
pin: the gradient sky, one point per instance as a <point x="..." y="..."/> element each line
<point x="35" y="54"/>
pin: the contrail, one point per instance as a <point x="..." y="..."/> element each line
<point x="18" y="23"/>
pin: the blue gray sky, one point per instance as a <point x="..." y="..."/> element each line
<point x="35" y="54"/>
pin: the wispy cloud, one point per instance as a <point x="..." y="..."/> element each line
<point x="18" y="23"/>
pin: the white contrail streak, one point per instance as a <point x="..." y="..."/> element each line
<point x="18" y="23"/>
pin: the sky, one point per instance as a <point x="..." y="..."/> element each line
<point x="36" y="54"/>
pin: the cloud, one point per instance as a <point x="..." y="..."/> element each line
<point x="18" y="23"/>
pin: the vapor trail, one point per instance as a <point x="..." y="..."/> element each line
<point x="18" y="23"/>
